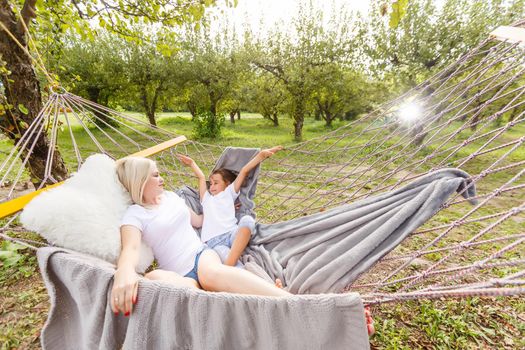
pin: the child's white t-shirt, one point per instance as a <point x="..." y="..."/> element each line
<point x="167" y="230"/>
<point x="219" y="213"/>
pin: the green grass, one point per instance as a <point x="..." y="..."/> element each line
<point x="446" y="324"/>
<point x="470" y="323"/>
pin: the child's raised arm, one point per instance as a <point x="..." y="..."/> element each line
<point x="262" y="155"/>
<point x="197" y="171"/>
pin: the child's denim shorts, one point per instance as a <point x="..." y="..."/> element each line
<point x="223" y="242"/>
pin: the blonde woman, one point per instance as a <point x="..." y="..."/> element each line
<point x="165" y="223"/>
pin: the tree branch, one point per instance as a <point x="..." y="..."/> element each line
<point x="277" y="71"/>
<point x="28" y="13"/>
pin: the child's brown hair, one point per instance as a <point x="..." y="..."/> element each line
<point x="227" y="175"/>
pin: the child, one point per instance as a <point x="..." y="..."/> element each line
<point x="220" y="229"/>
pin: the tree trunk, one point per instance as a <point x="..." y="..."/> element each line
<point x="328" y="118"/>
<point x="298" y="127"/>
<point x="22" y="88"/>
<point x="232" y="117"/>
<point x="419" y="137"/>
<point x="214" y="101"/>
<point x="298" y="117"/>
<point x="514" y="114"/>
<point x="150" y="110"/>
<point x="238" y="114"/>
<point x="192" y="108"/>
<point x="275" y="119"/>
<point x="151" y="117"/>
<point x="272" y="117"/>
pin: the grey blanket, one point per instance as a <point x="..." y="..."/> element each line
<point x="326" y="252"/>
<point x="165" y="317"/>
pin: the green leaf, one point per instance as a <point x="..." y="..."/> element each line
<point x="11" y="246"/>
<point x="4" y="254"/>
<point x="23" y="109"/>
<point x="13" y="260"/>
<point x="398" y="11"/>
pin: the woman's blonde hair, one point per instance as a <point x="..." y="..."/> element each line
<point x="133" y="172"/>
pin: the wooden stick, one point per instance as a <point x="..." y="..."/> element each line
<point x="510" y="34"/>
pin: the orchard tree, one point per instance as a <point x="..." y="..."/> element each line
<point x="293" y="57"/>
<point x="151" y="74"/>
<point x="214" y="67"/>
<point x="267" y="96"/>
<point x="95" y="70"/>
<point x="237" y="97"/>
<point x="340" y="93"/>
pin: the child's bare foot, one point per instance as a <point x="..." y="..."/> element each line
<point x="369" y="321"/>
<point x="278" y="283"/>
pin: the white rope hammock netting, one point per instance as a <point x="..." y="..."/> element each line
<point x="470" y="116"/>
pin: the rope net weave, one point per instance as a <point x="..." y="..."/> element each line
<point x="469" y="116"/>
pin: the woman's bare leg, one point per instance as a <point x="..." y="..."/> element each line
<point x="215" y="276"/>
<point x="172" y="277"/>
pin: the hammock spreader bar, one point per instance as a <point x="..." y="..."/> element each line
<point x="509" y="34"/>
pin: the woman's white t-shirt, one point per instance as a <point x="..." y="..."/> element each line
<point x="219" y="213"/>
<point x="167" y="230"/>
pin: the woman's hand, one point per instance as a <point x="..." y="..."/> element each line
<point x="124" y="292"/>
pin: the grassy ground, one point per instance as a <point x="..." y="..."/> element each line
<point x="445" y="324"/>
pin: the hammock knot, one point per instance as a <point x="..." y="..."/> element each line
<point x="458" y="223"/>
<point x="483" y="174"/>
<point x="478" y="264"/>
<point x="423" y="274"/>
<point x="515" y="210"/>
<point x="497" y="192"/>
<point x="496" y="282"/>
<point x="463" y="245"/>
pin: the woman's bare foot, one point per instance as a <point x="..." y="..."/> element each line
<point x="369" y="321"/>
<point x="278" y="283"/>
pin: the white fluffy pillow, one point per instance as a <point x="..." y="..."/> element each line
<point x="84" y="213"/>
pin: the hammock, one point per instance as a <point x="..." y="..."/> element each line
<point x="470" y="117"/>
<point x="313" y="254"/>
